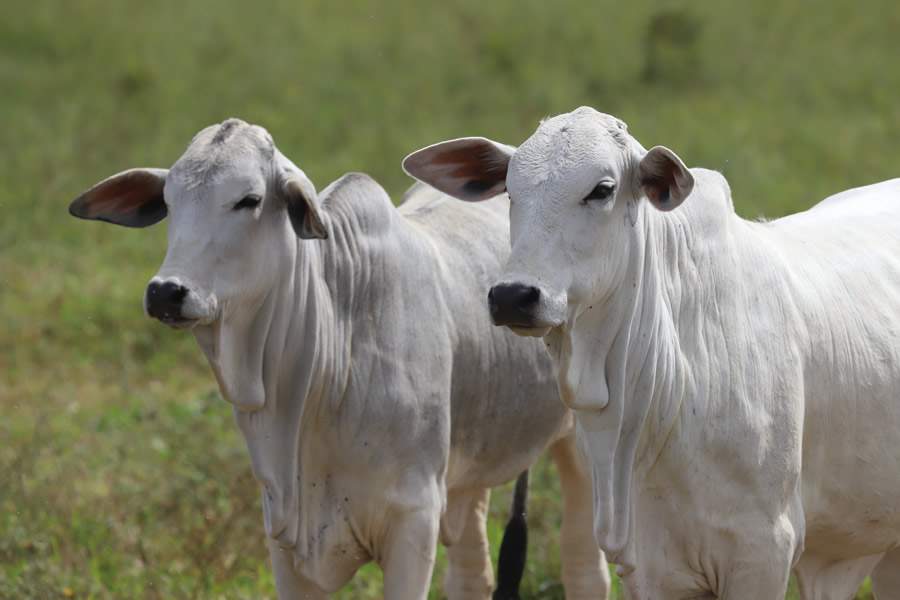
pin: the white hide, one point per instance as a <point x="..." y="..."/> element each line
<point x="736" y="382"/>
<point x="376" y="400"/>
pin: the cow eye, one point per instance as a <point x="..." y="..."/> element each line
<point x="248" y="202"/>
<point x="602" y="191"/>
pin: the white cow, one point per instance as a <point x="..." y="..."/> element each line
<point x="378" y="403"/>
<point x="736" y="383"/>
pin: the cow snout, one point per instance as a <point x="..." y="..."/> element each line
<point x="513" y="304"/>
<point x="165" y="300"/>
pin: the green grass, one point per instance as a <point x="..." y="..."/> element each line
<point x="121" y="474"/>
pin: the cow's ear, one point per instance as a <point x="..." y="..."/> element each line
<point x="470" y="169"/>
<point x="306" y="216"/>
<point x="132" y="198"/>
<point x="664" y="178"/>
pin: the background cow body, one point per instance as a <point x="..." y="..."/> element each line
<point x="374" y="396"/>
<point x="736" y="382"/>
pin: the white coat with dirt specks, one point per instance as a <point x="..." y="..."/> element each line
<point x="736" y="383"/>
<point x="377" y="402"/>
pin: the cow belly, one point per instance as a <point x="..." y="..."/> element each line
<point x="853" y="511"/>
<point x="840" y="538"/>
<point x="505" y="408"/>
<point x="502" y="452"/>
<point x="851" y="438"/>
<point x="500" y="436"/>
<point x="851" y="471"/>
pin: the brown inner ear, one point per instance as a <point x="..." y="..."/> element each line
<point x="480" y="166"/>
<point x="480" y="186"/>
<point x="125" y="195"/>
<point x="658" y="186"/>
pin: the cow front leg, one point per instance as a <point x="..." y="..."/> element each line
<point x="760" y="584"/>
<point x="290" y="584"/>
<point x="748" y="583"/>
<point x="749" y="560"/>
<point x="585" y="573"/>
<point x="407" y="560"/>
<point x="470" y="575"/>
<point x="760" y="565"/>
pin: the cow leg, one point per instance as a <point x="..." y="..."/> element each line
<point x="409" y="553"/>
<point x="764" y="582"/>
<point x="585" y="573"/>
<point x="290" y="584"/>
<point x="823" y="579"/>
<point x="469" y="571"/>
<point x="886" y="577"/>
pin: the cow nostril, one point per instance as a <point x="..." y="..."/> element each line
<point x="513" y="303"/>
<point x="179" y="293"/>
<point x="165" y="299"/>
<point x="171" y="292"/>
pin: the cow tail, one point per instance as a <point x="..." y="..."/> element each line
<point x="514" y="547"/>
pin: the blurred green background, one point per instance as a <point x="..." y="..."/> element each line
<point x="121" y="474"/>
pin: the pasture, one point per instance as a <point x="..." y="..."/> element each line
<point x="121" y="472"/>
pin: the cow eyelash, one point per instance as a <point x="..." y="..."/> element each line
<point x="248" y="202"/>
<point x="602" y="191"/>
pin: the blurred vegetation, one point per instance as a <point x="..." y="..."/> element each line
<point x="121" y="474"/>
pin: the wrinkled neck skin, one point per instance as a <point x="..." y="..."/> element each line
<point x="621" y="367"/>
<point x="280" y="363"/>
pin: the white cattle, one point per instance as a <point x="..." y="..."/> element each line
<point x="736" y="383"/>
<point x="377" y="402"/>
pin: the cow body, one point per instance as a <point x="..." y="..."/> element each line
<point x="735" y="383"/>
<point x="779" y="409"/>
<point x="400" y="400"/>
<point x="377" y="402"/>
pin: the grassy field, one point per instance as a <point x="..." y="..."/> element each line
<point x="121" y="474"/>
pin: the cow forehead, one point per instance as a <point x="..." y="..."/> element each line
<point x="233" y="151"/>
<point x="568" y="152"/>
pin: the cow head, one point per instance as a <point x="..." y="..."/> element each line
<point x="234" y="204"/>
<point x="229" y="199"/>
<point x="575" y="187"/>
